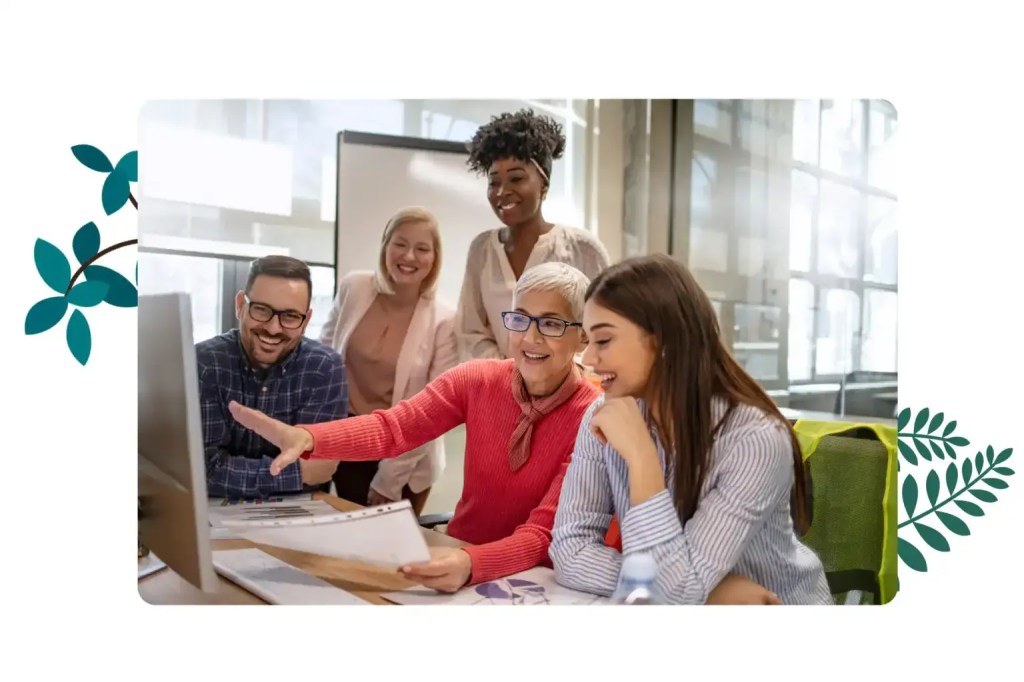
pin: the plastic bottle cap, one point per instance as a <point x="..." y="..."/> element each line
<point x="640" y="567"/>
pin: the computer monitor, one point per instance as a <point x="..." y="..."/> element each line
<point x="173" y="522"/>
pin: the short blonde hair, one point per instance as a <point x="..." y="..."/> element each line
<point x="559" y="278"/>
<point x="413" y="214"/>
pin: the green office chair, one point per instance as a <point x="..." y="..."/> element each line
<point x="853" y="530"/>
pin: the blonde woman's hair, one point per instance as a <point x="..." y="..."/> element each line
<point x="413" y="214"/>
<point x="558" y="278"/>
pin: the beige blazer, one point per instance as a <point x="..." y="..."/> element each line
<point x="428" y="350"/>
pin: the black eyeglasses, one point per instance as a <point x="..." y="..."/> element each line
<point x="548" y="326"/>
<point x="261" y="312"/>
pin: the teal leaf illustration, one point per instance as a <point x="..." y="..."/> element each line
<point x="93" y="158"/>
<point x="970" y="508"/>
<point x="122" y="293"/>
<point x="932" y="486"/>
<point x="936" y="422"/>
<point x="959" y="441"/>
<point x="979" y="463"/>
<point x="968" y="470"/>
<point x="45" y="314"/>
<point x="950" y="427"/>
<point x="950" y="451"/>
<point x="934" y="538"/>
<point x="953" y="523"/>
<point x="907" y="453"/>
<point x="1003" y="471"/>
<point x="79" y="337"/>
<point x="1003" y="456"/>
<point x="997" y="483"/>
<point x="922" y="419"/>
<point x="87" y="242"/>
<point x="88" y="293"/>
<point x="937" y="450"/>
<point x="922" y="449"/>
<point x="129" y="166"/>
<point x="952" y="475"/>
<point x="909" y="495"/>
<point x="52" y="265"/>
<point x="903" y="419"/>
<point x="910" y="555"/>
<point x="115" y="191"/>
<point x="983" y="495"/>
<point x="990" y="454"/>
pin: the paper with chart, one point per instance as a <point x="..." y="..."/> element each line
<point x="387" y="535"/>
<point x="276" y="581"/>
<point x="535" y="587"/>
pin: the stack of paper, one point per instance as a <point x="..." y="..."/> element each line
<point x="535" y="587"/>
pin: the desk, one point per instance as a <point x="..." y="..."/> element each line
<point x="362" y="580"/>
<point x="792" y="414"/>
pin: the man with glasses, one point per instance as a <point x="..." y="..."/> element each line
<point x="267" y="364"/>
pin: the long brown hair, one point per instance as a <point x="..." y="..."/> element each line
<point x="691" y="366"/>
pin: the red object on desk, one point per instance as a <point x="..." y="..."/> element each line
<point x="613" y="538"/>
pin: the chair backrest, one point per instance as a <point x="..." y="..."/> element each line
<point x="853" y="497"/>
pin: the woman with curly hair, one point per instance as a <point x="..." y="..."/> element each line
<point x="515" y="151"/>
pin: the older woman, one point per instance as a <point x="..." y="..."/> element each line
<point x="521" y="417"/>
<point x="395" y="336"/>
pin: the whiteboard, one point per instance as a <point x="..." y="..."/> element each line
<point x="378" y="175"/>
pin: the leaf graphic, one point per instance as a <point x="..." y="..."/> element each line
<point x="922" y="419"/>
<point x="953" y="523"/>
<point x="970" y="508"/>
<point x="968" y="470"/>
<point x="45" y="314"/>
<point x="950" y="427"/>
<point x="129" y="166"/>
<point x="908" y="454"/>
<point x="989" y="455"/>
<point x="909" y="495"/>
<point x="950" y="451"/>
<point x="934" y="538"/>
<point x="922" y="450"/>
<point x="979" y="463"/>
<point x="87" y="242"/>
<point x="1003" y="456"/>
<point x="983" y="495"/>
<point x="1003" y="471"/>
<point x="903" y="419"/>
<point x="79" y="337"/>
<point x="952" y="475"/>
<point x="88" y="293"/>
<point x="910" y="555"/>
<point x="93" y="158"/>
<point x="932" y="486"/>
<point x="937" y="450"/>
<point x="53" y="266"/>
<point x="115" y="191"/>
<point x="959" y="441"/>
<point x="936" y="422"/>
<point x="997" y="483"/>
<point x="122" y="294"/>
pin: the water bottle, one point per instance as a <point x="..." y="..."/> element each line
<point x="637" y="581"/>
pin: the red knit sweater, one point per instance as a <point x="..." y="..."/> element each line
<point x="506" y="515"/>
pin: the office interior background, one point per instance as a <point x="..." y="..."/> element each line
<point x="786" y="211"/>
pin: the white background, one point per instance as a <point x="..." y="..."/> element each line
<point x="80" y="73"/>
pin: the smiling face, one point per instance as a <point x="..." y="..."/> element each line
<point x="515" y="190"/>
<point x="620" y="352"/>
<point x="544" y="361"/>
<point x="410" y="253"/>
<point x="267" y="343"/>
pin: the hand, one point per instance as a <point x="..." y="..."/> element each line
<point x="374" y="498"/>
<point x="317" y="471"/>
<point x="735" y="589"/>
<point x="448" y="570"/>
<point x="291" y="440"/>
<point x="619" y="423"/>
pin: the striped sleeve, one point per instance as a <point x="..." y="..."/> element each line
<point x="578" y="553"/>
<point x="753" y="476"/>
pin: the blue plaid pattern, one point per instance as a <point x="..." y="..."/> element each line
<point x="308" y="387"/>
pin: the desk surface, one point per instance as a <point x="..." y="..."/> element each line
<point x="366" y="582"/>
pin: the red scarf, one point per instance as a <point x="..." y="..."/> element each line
<point x="532" y="410"/>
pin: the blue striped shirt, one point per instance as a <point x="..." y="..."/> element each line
<point x="307" y="387"/>
<point x="742" y="524"/>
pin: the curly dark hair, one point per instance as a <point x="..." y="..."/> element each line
<point x="523" y="135"/>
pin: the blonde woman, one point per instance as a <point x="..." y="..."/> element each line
<point x="396" y="336"/>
